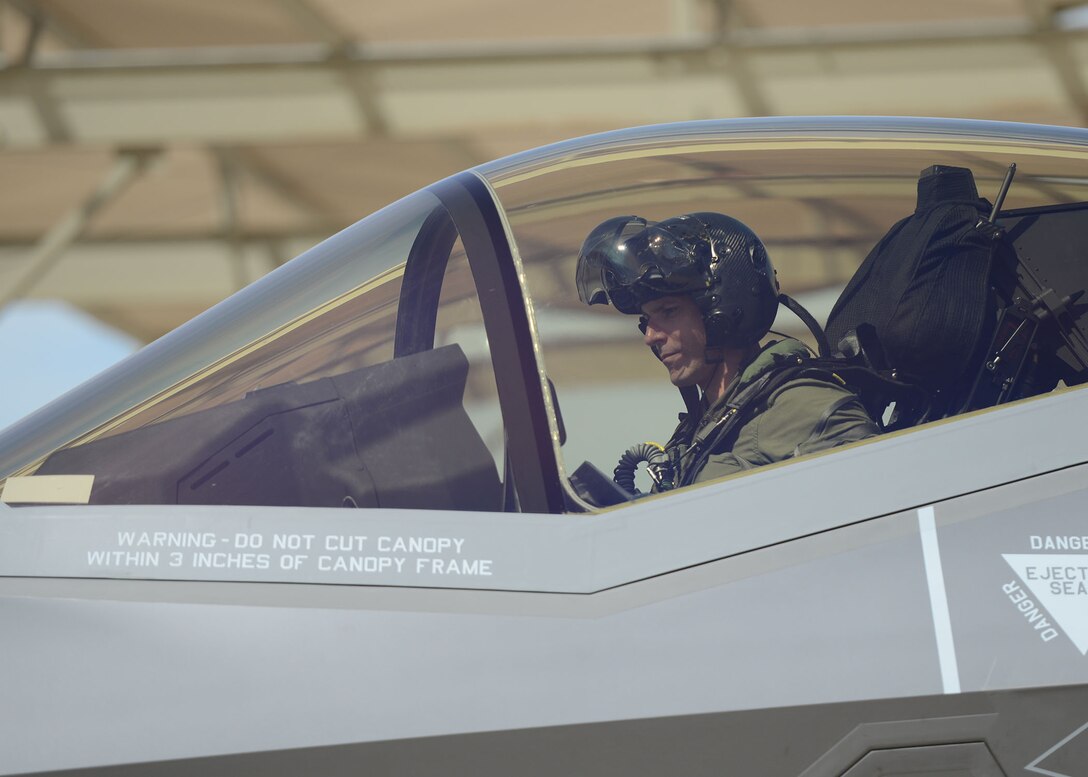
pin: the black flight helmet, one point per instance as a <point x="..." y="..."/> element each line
<point x="720" y="262"/>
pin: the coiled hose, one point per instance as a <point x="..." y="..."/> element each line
<point x="657" y="465"/>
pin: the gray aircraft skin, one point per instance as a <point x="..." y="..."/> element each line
<point x="914" y="604"/>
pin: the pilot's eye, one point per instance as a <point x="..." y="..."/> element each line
<point x="643" y="322"/>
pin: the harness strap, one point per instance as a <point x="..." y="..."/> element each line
<point x="748" y="401"/>
<point x="874" y="390"/>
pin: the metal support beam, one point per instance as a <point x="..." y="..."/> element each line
<point x="727" y="22"/>
<point x="128" y="166"/>
<point x="750" y="39"/>
<point x="360" y="82"/>
<point x="36" y="89"/>
<point x="53" y="122"/>
<point x="65" y="30"/>
<point x="231" y="225"/>
<point x="327" y="77"/>
<point x="267" y="175"/>
<point x="364" y="89"/>
<point x="1053" y="48"/>
<point x="313" y="21"/>
<point x="35" y="27"/>
<point x="276" y="255"/>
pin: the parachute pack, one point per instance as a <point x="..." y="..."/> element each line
<point x="923" y="303"/>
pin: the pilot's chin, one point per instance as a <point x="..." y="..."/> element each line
<point x="682" y="380"/>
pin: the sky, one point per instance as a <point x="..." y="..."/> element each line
<point x="48" y="348"/>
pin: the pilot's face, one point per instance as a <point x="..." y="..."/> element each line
<point x="673" y="329"/>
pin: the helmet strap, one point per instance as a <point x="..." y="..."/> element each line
<point x="809" y="321"/>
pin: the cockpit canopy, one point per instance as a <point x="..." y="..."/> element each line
<point x="436" y="354"/>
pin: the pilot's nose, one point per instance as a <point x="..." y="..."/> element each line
<point x="653" y="336"/>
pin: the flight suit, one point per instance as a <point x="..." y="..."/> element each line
<point x="800" y="416"/>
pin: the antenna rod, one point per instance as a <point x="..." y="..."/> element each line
<point x="1001" y="194"/>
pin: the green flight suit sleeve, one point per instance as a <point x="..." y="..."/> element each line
<point x="802" y="417"/>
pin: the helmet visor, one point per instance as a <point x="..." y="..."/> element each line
<point x="602" y="255"/>
<point x="639" y="262"/>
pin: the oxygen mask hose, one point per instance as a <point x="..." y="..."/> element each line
<point x="658" y="467"/>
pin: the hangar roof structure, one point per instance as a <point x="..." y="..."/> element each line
<point x="159" y="154"/>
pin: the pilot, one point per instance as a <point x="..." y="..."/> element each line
<point x="706" y="296"/>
